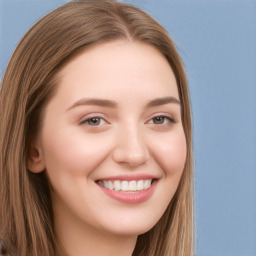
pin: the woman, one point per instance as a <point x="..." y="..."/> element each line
<point x="96" y="141"/>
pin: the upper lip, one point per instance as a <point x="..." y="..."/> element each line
<point x="130" y="177"/>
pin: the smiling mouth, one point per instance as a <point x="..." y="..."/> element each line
<point x="126" y="186"/>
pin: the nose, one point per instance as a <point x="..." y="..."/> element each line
<point x="131" y="147"/>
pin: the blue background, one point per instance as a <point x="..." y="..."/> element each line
<point x="217" y="41"/>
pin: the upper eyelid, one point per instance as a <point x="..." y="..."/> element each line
<point x="163" y="114"/>
<point x="92" y="115"/>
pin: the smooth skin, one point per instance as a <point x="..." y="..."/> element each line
<point x="116" y="111"/>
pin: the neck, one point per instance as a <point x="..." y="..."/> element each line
<point x="77" y="238"/>
<point x="96" y="246"/>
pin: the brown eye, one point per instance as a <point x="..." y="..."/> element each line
<point x="162" y="120"/>
<point x="159" y="120"/>
<point x="94" y="121"/>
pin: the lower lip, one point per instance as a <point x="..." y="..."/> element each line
<point x="131" y="198"/>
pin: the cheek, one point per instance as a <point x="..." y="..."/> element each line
<point x="171" y="153"/>
<point x="72" y="153"/>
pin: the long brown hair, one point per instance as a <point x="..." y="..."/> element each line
<point x="26" y="215"/>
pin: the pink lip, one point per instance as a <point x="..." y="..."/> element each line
<point x="130" y="198"/>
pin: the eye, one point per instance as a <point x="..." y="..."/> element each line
<point x="162" y="120"/>
<point x="93" y="121"/>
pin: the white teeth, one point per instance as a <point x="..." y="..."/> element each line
<point x="147" y="184"/>
<point x="140" y="185"/>
<point x="132" y="185"/>
<point x="126" y="186"/>
<point x="117" y="185"/>
<point x="110" y="185"/>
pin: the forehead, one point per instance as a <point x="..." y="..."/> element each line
<point x="118" y="66"/>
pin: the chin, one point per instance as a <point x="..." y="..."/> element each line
<point x="131" y="227"/>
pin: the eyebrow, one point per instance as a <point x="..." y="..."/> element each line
<point x="113" y="104"/>
<point x="162" y="101"/>
<point x="94" y="101"/>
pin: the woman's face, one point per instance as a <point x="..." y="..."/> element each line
<point x="112" y="140"/>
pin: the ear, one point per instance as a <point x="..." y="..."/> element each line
<point x="35" y="163"/>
